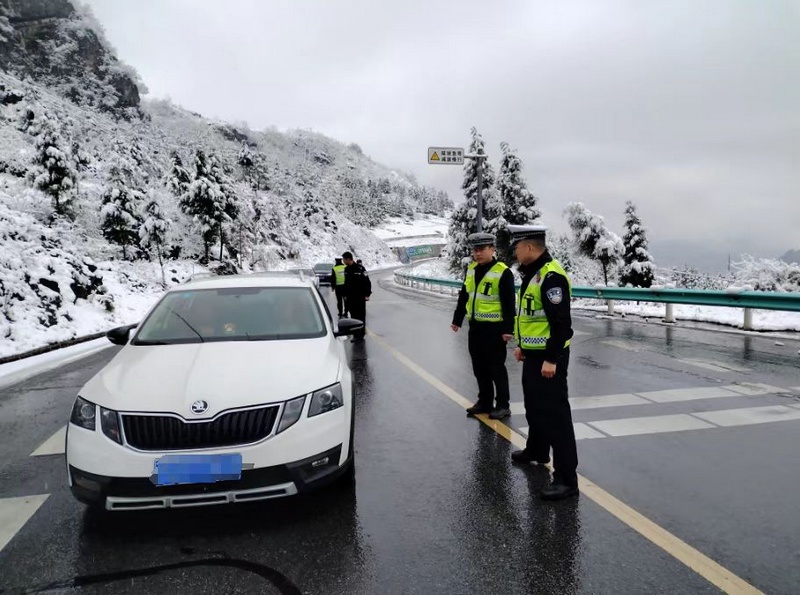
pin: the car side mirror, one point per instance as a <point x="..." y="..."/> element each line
<point x="347" y="326"/>
<point x="120" y="335"/>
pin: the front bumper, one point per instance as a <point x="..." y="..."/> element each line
<point x="137" y="493"/>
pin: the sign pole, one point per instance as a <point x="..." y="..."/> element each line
<point x="479" y="199"/>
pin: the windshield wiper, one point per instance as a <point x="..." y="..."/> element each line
<point x="194" y="330"/>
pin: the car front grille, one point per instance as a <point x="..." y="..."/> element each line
<point x="163" y="432"/>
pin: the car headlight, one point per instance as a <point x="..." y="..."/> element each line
<point x="291" y="413"/>
<point x="326" y="400"/>
<point x="109" y="421"/>
<point x="84" y="414"/>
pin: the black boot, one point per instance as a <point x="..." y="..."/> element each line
<point x="477" y="409"/>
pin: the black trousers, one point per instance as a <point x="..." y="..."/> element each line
<point x="549" y="416"/>
<point x="358" y="310"/>
<point x="341" y="307"/>
<point x="488" y="352"/>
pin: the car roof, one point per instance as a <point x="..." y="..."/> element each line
<point x="265" y="279"/>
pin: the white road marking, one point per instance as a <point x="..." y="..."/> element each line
<point x="15" y="512"/>
<point x="517" y="408"/>
<point x="607" y="401"/>
<point x="796" y="389"/>
<point x="626" y="345"/>
<point x="650" y="425"/>
<point x="582" y="432"/>
<point x="749" y="415"/>
<point x="714" y="366"/>
<point x="751" y="389"/>
<point x="53" y="445"/>
<point x="688" y="394"/>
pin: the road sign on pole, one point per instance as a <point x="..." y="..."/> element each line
<point x="446" y="155"/>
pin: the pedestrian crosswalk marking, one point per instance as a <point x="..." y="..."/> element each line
<point x="582" y="432"/>
<point x="658" y="424"/>
<point x="750" y="389"/>
<point x="749" y="415"/>
<point x="673" y="395"/>
<point x="607" y="401"/>
<point x="15" y="512"/>
<point x="713" y="366"/>
<point x="688" y="394"/>
<point x="53" y="445"/>
<point x="626" y="345"/>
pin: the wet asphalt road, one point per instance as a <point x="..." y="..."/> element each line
<point x="437" y="507"/>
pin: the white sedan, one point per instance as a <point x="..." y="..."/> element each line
<point x="232" y="389"/>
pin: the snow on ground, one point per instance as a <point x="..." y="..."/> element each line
<point x="402" y="232"/>
<point x="763" y="320"/>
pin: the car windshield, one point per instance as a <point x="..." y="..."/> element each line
<point x="323" y="267"/>
<point x="233" y="314"/>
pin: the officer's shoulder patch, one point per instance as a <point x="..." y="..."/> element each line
<point x="555" y="295"/>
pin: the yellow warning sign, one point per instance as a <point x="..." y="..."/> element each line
<point x="446" y="155"/>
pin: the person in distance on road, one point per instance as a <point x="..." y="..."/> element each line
<point x="357" y="290"/>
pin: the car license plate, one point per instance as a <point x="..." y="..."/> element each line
<point x="189" y="469"/>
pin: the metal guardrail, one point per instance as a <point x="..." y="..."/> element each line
<point x="749" y="300"/>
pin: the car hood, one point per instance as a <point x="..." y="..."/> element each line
<point x="169" y="378"/>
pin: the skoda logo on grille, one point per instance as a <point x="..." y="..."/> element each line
<point x="199" y="407"/>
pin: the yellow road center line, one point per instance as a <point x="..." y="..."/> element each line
<point x="710" y="570"/>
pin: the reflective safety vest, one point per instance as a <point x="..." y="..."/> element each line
<point x="483" y="302"/>
<point x="531" y="327"/>
<point x="339" y="270"/>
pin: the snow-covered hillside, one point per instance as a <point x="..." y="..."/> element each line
<point x="105" y="200"/>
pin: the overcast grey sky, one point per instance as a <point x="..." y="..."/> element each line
<point x="690" y="108"/>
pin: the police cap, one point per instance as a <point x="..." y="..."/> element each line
<point x="476" y="240"/>
<point x="526" y="232"/>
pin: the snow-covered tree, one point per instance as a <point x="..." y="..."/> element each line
<point x="518" y="203"/>
<point x="53" y="172"/>
<point x="593" y="238"/>
<point x="177" y="179"/>
<point x="228" y="209"/>
<point x="560" y="248"/>
<point x="6" y="30"/>
<point x="153" y="231"/>
<point x="119" y="222"/>
<point x="209" y="200"/>
<point x="463" y="222"/>
<point x="638" y="269"/>
<point x="246" y="161"/>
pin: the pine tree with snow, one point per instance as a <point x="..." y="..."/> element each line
<point x="153" y="232"/>
<point x="463" y="222"/>
<point x="119" y="222"/>
<point x="560" y="248"/>
<point x="177" y="179"/>
<point x="6" y="30"/>
<point x="246" y="161"/>
<point x="518" y="203"/>
<point x="593" y="238"/>
<point x="638" y="269"/>
<point x="228" y="207"/>
<point x="53" y="171"/>
<point x="200" y="202"/>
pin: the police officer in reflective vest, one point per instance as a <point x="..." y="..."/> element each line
<point x="487" y="300"/>
<point x="543" y="329"/>
<point x="337" y="284"/>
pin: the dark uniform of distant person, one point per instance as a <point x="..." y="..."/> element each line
<point x="543" y="329"/>
<point x="487" y="300"/>
<point x="337" y="284"/>
<point x="357" y="289"/>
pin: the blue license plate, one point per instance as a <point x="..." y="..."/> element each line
<point x="188" y="469"/>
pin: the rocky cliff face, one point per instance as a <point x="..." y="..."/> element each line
<point x="57" y="44"/>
